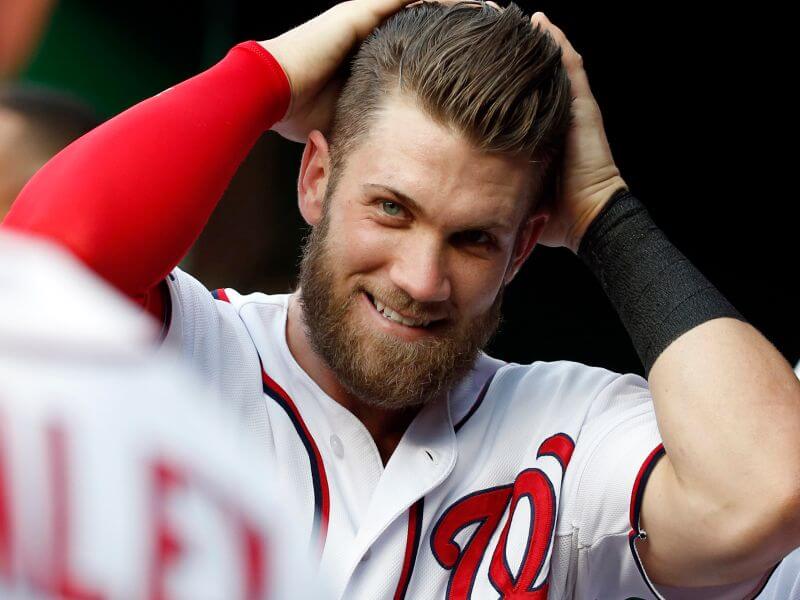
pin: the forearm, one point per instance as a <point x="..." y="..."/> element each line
<point x="131" y="197"/>
<point x="727" y="404"/>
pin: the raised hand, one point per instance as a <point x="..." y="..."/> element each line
<point x="311" y="54"/>
<point x="588" y="174"/>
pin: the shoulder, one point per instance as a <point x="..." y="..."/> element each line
<point x="568" y="384"/>
<point x="260" y="313"/>
<point x="593" y="403"/>
<point x="257" y="301"/>
<point x="190" y="299"/>
<point x="529" y="403"/>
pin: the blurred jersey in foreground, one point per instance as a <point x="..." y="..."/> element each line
<point x="119" y="476"/>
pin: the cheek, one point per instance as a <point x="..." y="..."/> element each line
<point x="360" y="245"/>
<point x="475" y="283"/>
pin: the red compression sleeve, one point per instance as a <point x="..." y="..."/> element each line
<point x="131" y="197"/>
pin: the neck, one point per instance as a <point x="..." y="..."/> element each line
<point x="385" y="426"/>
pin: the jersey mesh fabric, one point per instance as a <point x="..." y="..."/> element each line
<point x="496" y="437"/>
<point x="525" y="406"/>
<point x="215" y="340"/>
<point x="210" y="334"/>
<point x="618" y="436"/>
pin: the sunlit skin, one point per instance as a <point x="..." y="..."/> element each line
<point x="419" y="209"/>
<point x="14" y="168"/>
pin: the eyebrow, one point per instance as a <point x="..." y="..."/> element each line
<point x="406" y="199"/>
<point x="414" y="205"/>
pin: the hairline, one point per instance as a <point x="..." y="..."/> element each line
<point x="340" y="153"/>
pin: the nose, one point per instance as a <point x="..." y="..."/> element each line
<point x="420" y="269"/>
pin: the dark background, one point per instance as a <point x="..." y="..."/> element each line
<point x="697" y="106"/>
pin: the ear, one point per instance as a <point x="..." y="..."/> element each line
<point x="313" y="179"/>
<point x="526" y="240"/>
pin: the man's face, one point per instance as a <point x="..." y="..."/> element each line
<point x="403" y="273"/>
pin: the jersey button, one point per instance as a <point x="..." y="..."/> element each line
<point x="337" y="446"/>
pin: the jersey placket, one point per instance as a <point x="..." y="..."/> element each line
<point x="424" y="458"/>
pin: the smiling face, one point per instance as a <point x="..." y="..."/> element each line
<point x="403" y="273"/>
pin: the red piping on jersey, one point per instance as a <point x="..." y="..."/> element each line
<point x="641" y="481"/>
<point x="319" y="478"/>
<point x="637" y="494"/>
<point x="636" y="506"/>
<point x="322" y="502"/>
<point x="412" y="547"/>
<point x="221" y="294"/>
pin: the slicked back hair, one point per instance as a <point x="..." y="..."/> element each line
<point x="488" y="74"/>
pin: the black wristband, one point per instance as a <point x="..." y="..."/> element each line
<point x="657" y="292"/>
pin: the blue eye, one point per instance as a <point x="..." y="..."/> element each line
<point x="481" y="237"/>
<point x="391" y="208"/>
<point x="478" y="238"/>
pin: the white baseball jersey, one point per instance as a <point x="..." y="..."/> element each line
<point x="784" y="583"/>
<point x="120" y="476"/>
<point x="526" y="481"/>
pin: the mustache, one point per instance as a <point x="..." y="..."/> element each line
<point x="401" y="302"/>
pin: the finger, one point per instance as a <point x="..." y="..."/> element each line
<point x="554" y="30"/>
<point x="385" y="8"/>
<point x="369" y="14"/>
<point x="477" y="3"/>
<point x="366" y="15"/>
<point x="444" y="2"/>
<point x="569" y="56"/>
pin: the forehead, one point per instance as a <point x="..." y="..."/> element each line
<point x="438" y="167"/>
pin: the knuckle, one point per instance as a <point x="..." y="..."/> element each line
<point x="574" y="60"/>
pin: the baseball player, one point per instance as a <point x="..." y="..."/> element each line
<point x="425" y="468"/>
<point x="120" y="476"/>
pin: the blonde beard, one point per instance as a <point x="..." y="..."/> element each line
<point x="380" y="369"/>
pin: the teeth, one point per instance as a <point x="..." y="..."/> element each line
<point x="397" y="318"/>
<point x="390" y="314"/>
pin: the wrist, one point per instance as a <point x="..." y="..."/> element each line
<point x="657" y="293"/>
<point x="599" y="201"/>
<point x="280" y="99"/>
